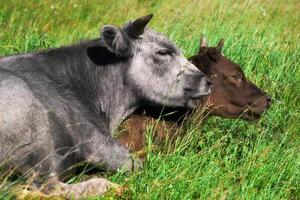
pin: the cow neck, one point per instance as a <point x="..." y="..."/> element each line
<point x="96" y="77"/>
<point x="119" y="100"/>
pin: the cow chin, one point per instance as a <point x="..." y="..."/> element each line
<point x="250" y="116"/>
<point x="236" y="113"/>
<point x="254" y="114"/>
<point x="193" y="103"/>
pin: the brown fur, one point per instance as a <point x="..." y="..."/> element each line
<point x="232" y="96"/>
<point x="133" y="133"/>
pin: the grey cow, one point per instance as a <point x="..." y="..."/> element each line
<point x="59" y="107"/>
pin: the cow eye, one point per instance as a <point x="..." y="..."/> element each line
<point x="163" y="52"/>
<point x="237" y="77"/>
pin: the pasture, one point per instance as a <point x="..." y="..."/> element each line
<point x="222" y="159"/>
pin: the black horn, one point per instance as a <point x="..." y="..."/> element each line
<point x="137" y="27"/>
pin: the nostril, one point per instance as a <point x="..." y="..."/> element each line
<point x="209" y="82"/>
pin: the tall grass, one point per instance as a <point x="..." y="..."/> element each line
<point x="224" y="159"/>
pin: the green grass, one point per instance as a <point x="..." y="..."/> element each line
<point x="224" y="159"/>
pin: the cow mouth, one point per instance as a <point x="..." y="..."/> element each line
<point x="254" y="113"/>
<point x="197" y="99"/>
<point x="197" y="96"/>
<point x="194" y="101"/>
<point x="251" y="116"/>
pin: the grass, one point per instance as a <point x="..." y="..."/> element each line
<point x="224" y="159"/>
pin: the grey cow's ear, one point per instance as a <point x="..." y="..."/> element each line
<point x="137" y="27"/>
<point x="116" y="40"/>
<point x="220" y="45"/>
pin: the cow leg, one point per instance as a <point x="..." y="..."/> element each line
<point x="59" y="190"/>
<point x="89" y="188"/>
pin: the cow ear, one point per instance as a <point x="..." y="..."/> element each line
<point x="203" y="43"/>
<point x="220" y="45"/>
<point x="116" y="40"/>
<point x="137" y="27"/>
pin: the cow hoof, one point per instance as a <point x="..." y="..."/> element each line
<point x="133" y="164"/>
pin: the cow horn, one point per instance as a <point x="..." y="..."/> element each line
<point x="137" y="27"/>
<point x="203" y="43"/>
<point x="220" y="45"/>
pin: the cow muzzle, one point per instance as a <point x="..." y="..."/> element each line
<point x="198" y="86"/>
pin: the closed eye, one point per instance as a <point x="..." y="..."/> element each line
<point x="164" y="52"/>
<point x="237" y="77"/>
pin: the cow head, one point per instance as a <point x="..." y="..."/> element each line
<point x="233" y="95"/>
<point x="158" y="70"/>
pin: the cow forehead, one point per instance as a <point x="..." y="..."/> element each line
<point x="156" y="38"/>
<point x="233" y="67"/>
<point x="227" y="66"/>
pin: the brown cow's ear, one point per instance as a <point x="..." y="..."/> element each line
<point x="220" y="45"/>
<point x="137" y="27"/>
<point x="203" y="43"/>
<point x="213" y="54"/>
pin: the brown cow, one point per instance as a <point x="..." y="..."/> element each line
<point x="233" y="96"/>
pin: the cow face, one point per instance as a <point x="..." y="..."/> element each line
<point x="233" y="95"/>
<point x="158" y="70"/>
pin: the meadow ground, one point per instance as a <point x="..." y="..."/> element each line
<point x="223" y="159"/>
